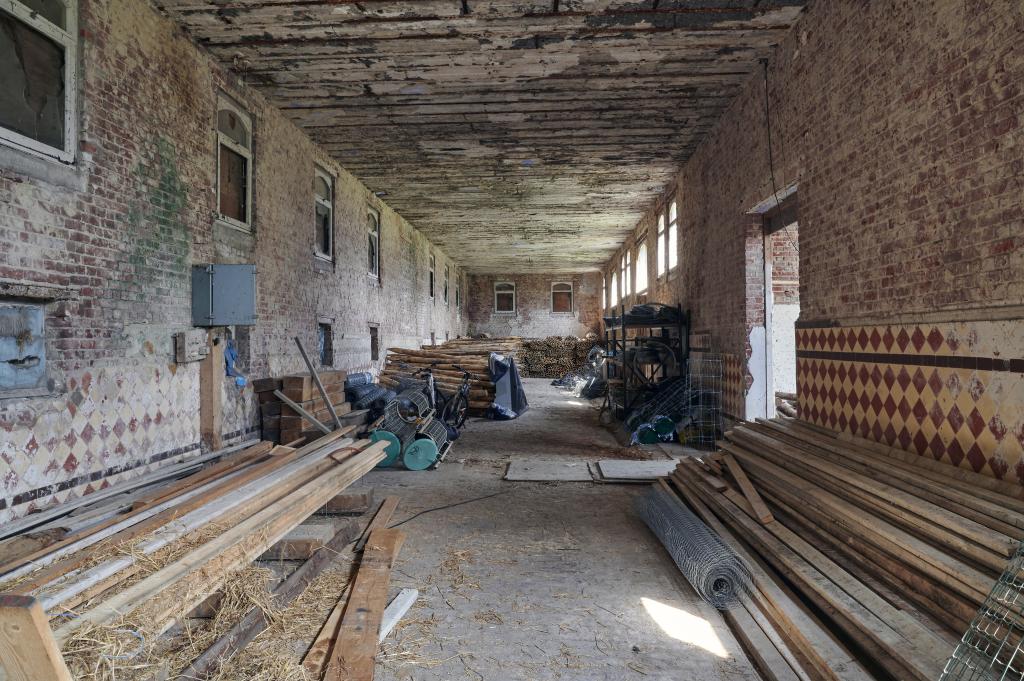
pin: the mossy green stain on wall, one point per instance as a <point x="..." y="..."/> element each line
<point x="160" y="238"/>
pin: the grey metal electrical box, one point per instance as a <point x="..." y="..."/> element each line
<point x="223" y="295"/>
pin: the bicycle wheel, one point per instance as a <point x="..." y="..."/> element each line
<point x="455" y="411"/>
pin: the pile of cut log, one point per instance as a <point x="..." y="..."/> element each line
<point x="281" y="422"/>
<point x="894" y="552"/>
<point x="553" y="357"/>
<point x="138" y="563"/>
<point x="404" y="363"/>
<point x="509" y="345"/>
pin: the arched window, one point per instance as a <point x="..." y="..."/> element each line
<point x="234" y="165"/>
<point x="561" y="297"/>
<point x="323" y="191"/>
<point x="504" y="296"/>
<point x="641" y="267"/>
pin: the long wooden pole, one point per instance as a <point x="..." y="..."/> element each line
<point x="355" y="648"/>
<point x="319" y="384"/>
<point x="255" y="621"/>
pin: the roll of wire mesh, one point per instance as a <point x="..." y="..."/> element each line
<point x="394" y="423"/>
<point x="437" y="432"/>
<point x="717" y="574"/>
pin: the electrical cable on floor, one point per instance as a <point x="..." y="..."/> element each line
<point x="442" y="508"/>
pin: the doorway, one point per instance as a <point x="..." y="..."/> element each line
<point x="782" y="304"/>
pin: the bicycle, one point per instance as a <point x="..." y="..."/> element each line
<point x="457" y="407"/>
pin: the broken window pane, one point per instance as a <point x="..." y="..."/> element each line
<point x="51" y="10"/>
<point x="32" y="83"/>
<point x="234" y="170"/>
<point x="233" y="127"/>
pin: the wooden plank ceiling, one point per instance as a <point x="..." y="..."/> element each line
<point x="519" y="135"/>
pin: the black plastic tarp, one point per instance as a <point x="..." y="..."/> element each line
<point x="509" y="396"/>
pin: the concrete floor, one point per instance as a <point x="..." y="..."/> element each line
<point x="544" y="580"/>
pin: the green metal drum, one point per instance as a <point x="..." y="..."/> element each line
<point x="664" y="425"/>
<point x="420" y="454"/>
<point x="393" y="449"/>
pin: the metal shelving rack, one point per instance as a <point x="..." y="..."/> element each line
<point x="629" y="378"/>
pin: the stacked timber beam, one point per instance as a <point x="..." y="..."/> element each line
<point x="142" y="570"/>
<point x="894" y="555"/>
<point x="510" y="345"/>
<point x="403" y="363"/>
<point x="281" y="423"/>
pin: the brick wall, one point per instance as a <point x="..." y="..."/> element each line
<point x="116" y="236"/>
<point x="901" y="124"/>
<point x="785" y="261"/>
<point x="533" y="317"/>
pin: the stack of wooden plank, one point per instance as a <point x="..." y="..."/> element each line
<point x="554" y="356"/>
<point x="403" y="363"/>
<point x="143" y="567"/>
<point x="280" y="422"/>
<point x="895" y="555"/>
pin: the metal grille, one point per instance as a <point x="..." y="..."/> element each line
<point x="991" y="648"/>
<point x="717" y="574"/>
<point x="703" y="424"/>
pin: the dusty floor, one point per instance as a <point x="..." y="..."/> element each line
<point x="544" y="580"/>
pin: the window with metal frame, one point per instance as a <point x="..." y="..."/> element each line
<point x="660" y="255"/>
<point x="641" y="267"/>
<point x="38" y="77"/>
<point x="615" y="289"/>
<point x="561" y="297"/>
<point x="430" y="284"/>
<point x="604" y="291"/>
<point x="673" y="235"/>
<point x="373" y="227"/>
<point x="627" y="274"/>
<point x="444" y="292"/>
<point x="504" y="296"/>
<point x="234" y="164"/>
<point x="323" y="207"/>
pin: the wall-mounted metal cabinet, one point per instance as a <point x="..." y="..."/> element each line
<point x="223" y="295"/>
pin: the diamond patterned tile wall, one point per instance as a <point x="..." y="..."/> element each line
<point x="113" y="423"/>
<point x="953" y="392"/>
<point x="734" y="386"/>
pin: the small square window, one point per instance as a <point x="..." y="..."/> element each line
<point x="325" y="343"/>
<point x="374" y="343"/>
<point x="22" y="349"/>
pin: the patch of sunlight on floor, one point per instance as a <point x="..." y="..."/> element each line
<point x="684" y="627"/>
<point x="575" y="403"/>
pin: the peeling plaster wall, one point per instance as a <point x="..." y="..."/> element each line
<point x="114" y="239"/>
<point x="903" y="125"/>
<point x="533" y="317"/>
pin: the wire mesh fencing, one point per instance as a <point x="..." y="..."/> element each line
<point x="712" y="568"/>
<point x="991" y="650"/>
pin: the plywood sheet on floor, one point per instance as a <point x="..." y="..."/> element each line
<point x="527" y="470"/>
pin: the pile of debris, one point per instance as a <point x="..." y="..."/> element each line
<point x="110" y="585"/>
<point x="554" y="356"/>
<point x="895" y="552"/>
